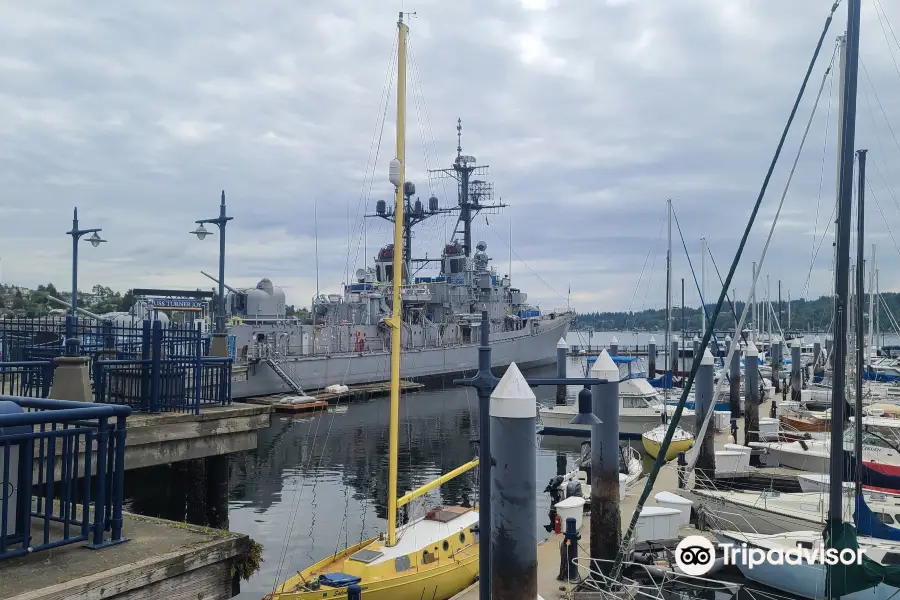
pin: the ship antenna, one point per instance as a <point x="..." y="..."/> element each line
<point x="458" y="138"/>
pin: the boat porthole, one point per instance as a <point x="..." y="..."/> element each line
<point x="462" y="536"/>
<point x="446" y="545"/>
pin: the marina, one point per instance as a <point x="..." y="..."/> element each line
<point x="435" y="419"/>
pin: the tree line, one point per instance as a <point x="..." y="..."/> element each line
<point x="101" y="300"/>
<point x="807" y="315"/>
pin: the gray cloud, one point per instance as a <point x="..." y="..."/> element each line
<point x="590" y="114"/>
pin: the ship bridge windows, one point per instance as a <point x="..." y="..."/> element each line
<point x="457" y="265"/>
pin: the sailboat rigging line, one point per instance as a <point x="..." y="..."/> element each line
<point x="881" y="23"/>
<point x="722" y="283"/>
<point x="880" y="105"/>
<point x="643" y="268"/>
<point x="527" y="266"/>
<point x="696" y="283"/>
<point x="679" y="409"/>
<point x="652" y="267"/>
<point x="883" y="217"/>
<point x="814" y="251"/>
<point x="884" y="181"/>
<point x="721" y="385"/>
<point x="890" y="315"/>
<point x="365" y="191"/>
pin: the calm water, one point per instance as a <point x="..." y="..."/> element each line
<point x="314" y="486"/>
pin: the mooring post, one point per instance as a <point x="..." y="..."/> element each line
<point x="606" y="520"/>
<point x="751" y="394"/>
<point x="796" y="378"/>
<point x="734" y="380"/>
<point x="829" y="344"/>
<point x="570" y="550"/>
<point x="651" y="357"/>
<point x="706" y="459"/>
<point x="674" y="348"/>
<point x="562" y="349"/>
<point x="513" y="542"/>
<point x="695" y="353"/>
<point x="775" y="359"/>
<point x="817" y="358"/>
<point x="484" y="382"/>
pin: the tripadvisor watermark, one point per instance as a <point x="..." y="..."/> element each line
<point x="695" y="555"/>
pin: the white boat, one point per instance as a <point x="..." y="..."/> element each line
<point x="640" y="406"/>
<point x="807" y="580"/>
<point x="814" y="455"/>
<point x="773" y="512"/>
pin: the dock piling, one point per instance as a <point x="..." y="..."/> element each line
<point x="606" y="520"/>
<point x="675" y="349"/>
<point x="796" y="379"/>
<point x="614" y="346"/>
<point x="751" y="394"/>
<point x="562" y="349"/>
<point x="651" y="357"/>
<point x="706" y="459"/>
<point x="513" y="414"/>
<point x="734" y="380"/>
<point x="775" y="359"/>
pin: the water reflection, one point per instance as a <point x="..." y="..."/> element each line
<point x="316" y="485"/>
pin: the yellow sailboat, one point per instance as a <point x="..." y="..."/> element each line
<point x="434" y="557"/>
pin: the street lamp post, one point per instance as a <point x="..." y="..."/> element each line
<point x="201" y="232"/>
<point x="95" y="241"/>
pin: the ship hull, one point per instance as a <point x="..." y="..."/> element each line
<point x="527" y="350"/>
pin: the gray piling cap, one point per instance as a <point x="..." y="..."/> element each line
<point x="513" y="397"/>
<point x="605" y="368"/>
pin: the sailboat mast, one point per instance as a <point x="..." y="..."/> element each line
<point x="871" y="344"/>
<point x="842" y="267"/>
<point x="858" y="305"/>
<point x="398" y="178"/>
<point x="669" y="360"/>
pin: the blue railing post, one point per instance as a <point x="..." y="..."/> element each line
<point x="155" y="370"/>
<point x="100" y="501"/>
<point x="145" y="365"/>
<point x="47" y="378"/>
<point x="119" y="481"/>
<point x="70" y="327"/>
<point x="198" y="369"/>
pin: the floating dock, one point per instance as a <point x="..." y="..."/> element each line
<point x="324" y="398"/>
<point x="161" y="559"/>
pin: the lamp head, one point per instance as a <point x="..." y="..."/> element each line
<point x="95" y="240"/>
<point x="201" y="232"/>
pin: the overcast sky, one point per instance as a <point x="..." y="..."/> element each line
<point x="589" y="113"/>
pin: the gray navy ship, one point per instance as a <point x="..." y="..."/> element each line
<point x="348" y="341"/>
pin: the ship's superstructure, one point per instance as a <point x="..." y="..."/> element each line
<point x="348" y="339"/>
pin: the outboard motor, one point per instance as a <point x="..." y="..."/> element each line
<point x="552" y="488"/>
<point x="573" y="488"/>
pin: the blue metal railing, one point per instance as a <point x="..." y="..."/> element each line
<point x="172" y="375"/>
<point x="62" y="472"/>
<point x="29" y="378"/>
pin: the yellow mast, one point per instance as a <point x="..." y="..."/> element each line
<point x="398" y="178"/>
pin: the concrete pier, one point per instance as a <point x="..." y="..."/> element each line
<point x="161" y="438"/>
<point x="161" y="559"/>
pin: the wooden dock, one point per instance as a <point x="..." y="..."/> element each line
<point x="323" y="398"/>
<point x="161" y="559"/>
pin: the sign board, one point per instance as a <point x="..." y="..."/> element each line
<point x="176" y="304"/>
<point x="457" y="280"/>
